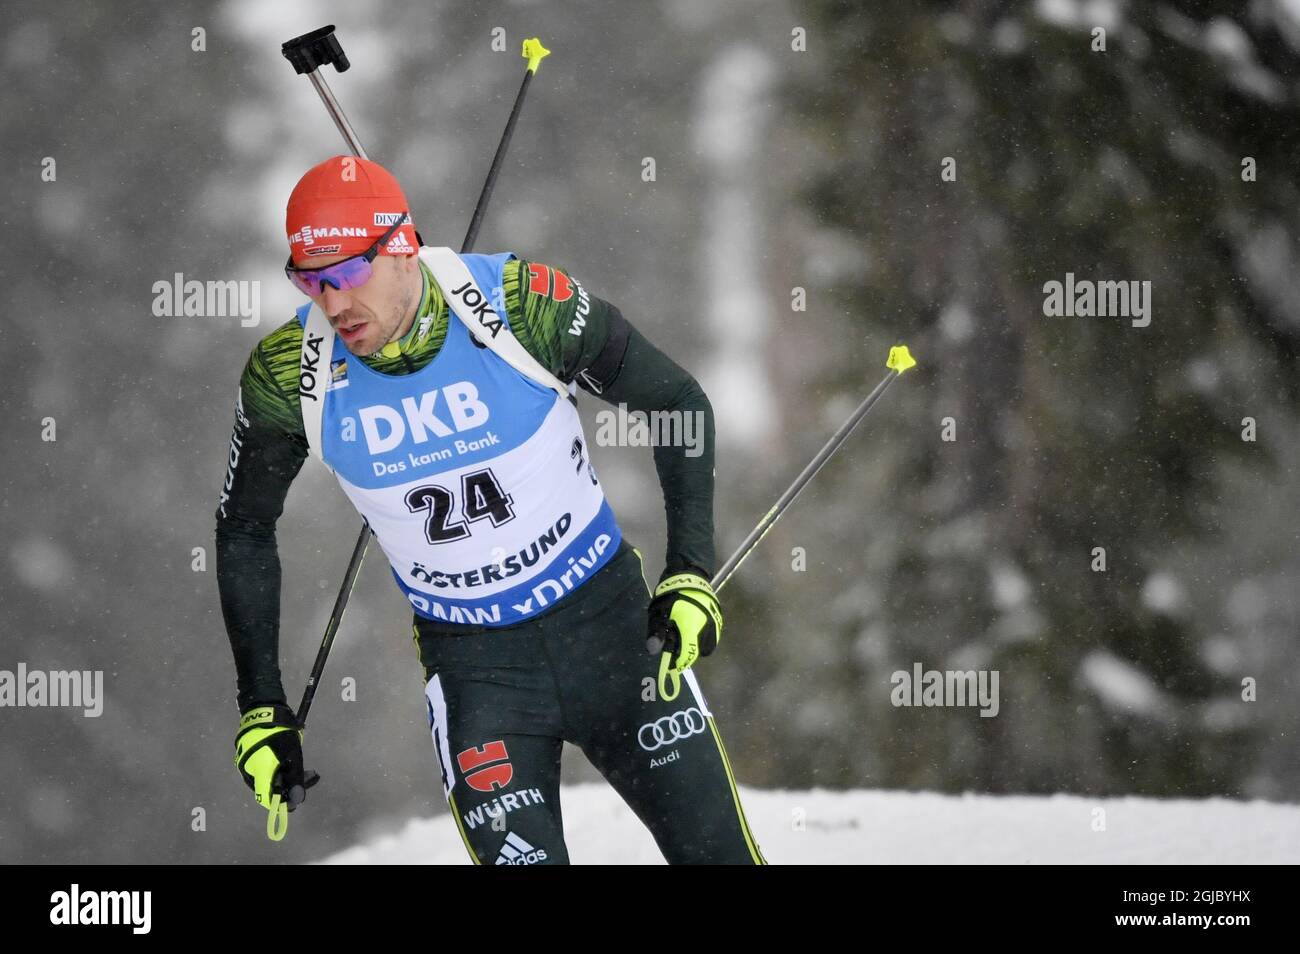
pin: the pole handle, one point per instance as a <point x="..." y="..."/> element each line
<point x="315" y="49"/>
<point x="535" y="53"/>
<point x="900" y="359"/>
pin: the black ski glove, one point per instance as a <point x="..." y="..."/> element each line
<point x="685" y="623"/>
<point x="268" y="754"/>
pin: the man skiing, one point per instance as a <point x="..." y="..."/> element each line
<point x="439" y="389"/>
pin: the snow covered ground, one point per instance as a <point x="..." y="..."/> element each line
<point x="863" y="827"/>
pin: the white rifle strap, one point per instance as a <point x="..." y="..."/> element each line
<point x="314" y="376"/>
<point x="475" y="309"/>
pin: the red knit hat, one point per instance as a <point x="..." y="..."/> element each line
<point x="341" y="206"/>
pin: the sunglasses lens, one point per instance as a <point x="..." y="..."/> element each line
<point x="349" y="273"/>
<point x="305" y="282"/>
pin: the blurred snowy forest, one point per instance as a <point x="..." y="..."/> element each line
<point x="777" y="167"/>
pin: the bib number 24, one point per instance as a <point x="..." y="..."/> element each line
<point x="481" y="498"/>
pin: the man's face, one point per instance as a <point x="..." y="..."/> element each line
<point x="369" y="316"/>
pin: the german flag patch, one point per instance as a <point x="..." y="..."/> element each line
<point x="545" y="280"/>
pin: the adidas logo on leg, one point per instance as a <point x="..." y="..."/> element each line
<point x="516" y="851"/>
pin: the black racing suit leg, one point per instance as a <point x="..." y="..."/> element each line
<point x="664" y="757"/>
<point x="496" y="733"/>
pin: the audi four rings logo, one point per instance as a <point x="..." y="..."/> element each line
<point x="669" y="729"/>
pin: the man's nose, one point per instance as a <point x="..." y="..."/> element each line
<point x="334" y="302"/>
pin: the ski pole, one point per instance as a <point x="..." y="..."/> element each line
<point x="308" y="53"/>
<point x="900" y="360"/>
<point x="321" y="44"/>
